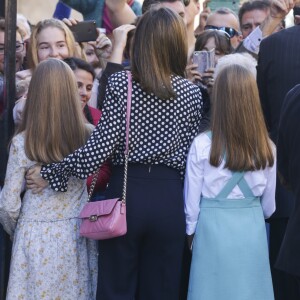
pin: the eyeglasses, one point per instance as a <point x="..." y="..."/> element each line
<point x="19" y="47"/>
<point x="229" y="30"/>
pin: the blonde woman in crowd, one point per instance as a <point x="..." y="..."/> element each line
<point x="50" y="38"/>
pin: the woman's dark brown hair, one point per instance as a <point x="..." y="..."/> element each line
<point x="221" y="39"/>
<point x="159" y="50"/>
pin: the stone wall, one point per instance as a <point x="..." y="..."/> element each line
<point x="36" y="10"/>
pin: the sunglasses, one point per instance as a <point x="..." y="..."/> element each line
<point x="229" y="30"/>
<point x="220" y="32"/>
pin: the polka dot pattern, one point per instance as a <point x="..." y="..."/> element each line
<point x="161" y="131"/>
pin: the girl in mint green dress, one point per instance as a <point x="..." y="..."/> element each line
<point x="229" y="191"/>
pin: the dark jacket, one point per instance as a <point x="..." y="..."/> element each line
<point x="278" y="72"/>
<point x="288" y="153"/>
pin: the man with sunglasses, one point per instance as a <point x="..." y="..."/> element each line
<point x="225" y="19"/>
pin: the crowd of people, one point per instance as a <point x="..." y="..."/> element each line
<point x="212" y="204"/>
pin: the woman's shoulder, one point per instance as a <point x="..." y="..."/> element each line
<point x="119" y="76"/>
<point x="181" y="82"/>
<point x="118" y="82"/>
<point x="186" y="91"/>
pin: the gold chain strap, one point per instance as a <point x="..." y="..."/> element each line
<point x="95" y="176"/>
<point x="94" y="180"/>
<point x="125" y="178"/>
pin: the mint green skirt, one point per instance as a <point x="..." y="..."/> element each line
<point x="230" y="253"/>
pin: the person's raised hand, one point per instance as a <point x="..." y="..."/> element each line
<point x="70" y="21"/>
<point x="102" y="45"/>
<point x="280" y="8"/>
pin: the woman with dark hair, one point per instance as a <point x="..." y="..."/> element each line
<point x="214" y="39"/>
<point x="165" y="117"/>
<point x="84" y="75"/>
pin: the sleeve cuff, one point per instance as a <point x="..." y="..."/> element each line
<point x="57" y="178"/>
<point x="191" y="228"/>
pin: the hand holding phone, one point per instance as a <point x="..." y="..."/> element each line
<point x="204" y="59"/>
<point x="85" y="31"/>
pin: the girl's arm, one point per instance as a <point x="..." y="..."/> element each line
<point x="10" y="200"/>
<point x="193" y="187"/>
<point x="268" y="197"/>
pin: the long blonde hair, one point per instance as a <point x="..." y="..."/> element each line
<point x="53" y="121"/>
<point x="238" y="126"/>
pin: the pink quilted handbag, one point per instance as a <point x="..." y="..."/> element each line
<point x="106" y="219"/>
<point x="103" y="219"/>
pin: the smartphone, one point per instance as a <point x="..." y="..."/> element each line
<point x="232" y="4"/>
<point x="204" y="60"/>
<point x="85" y="31"/>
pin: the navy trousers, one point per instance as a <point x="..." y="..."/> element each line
<point x="145" y="264"/>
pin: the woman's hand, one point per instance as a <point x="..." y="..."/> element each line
<point x="70" y="22"/>
<point x="120" y="34"/>
<point x="34" y="180"/>
<point x="192" y="74"/>
<point x="120" y="40"/>
<point x="102" y="45"/>
<point x="208" y="77"/>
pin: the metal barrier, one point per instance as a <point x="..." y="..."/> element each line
<point x="6" y="123"/>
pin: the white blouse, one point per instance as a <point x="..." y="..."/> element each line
<point x="204" y="180"/>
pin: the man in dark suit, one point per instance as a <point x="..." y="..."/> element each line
<point x="289" y="170"/>
<point x="278" y="71"/>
